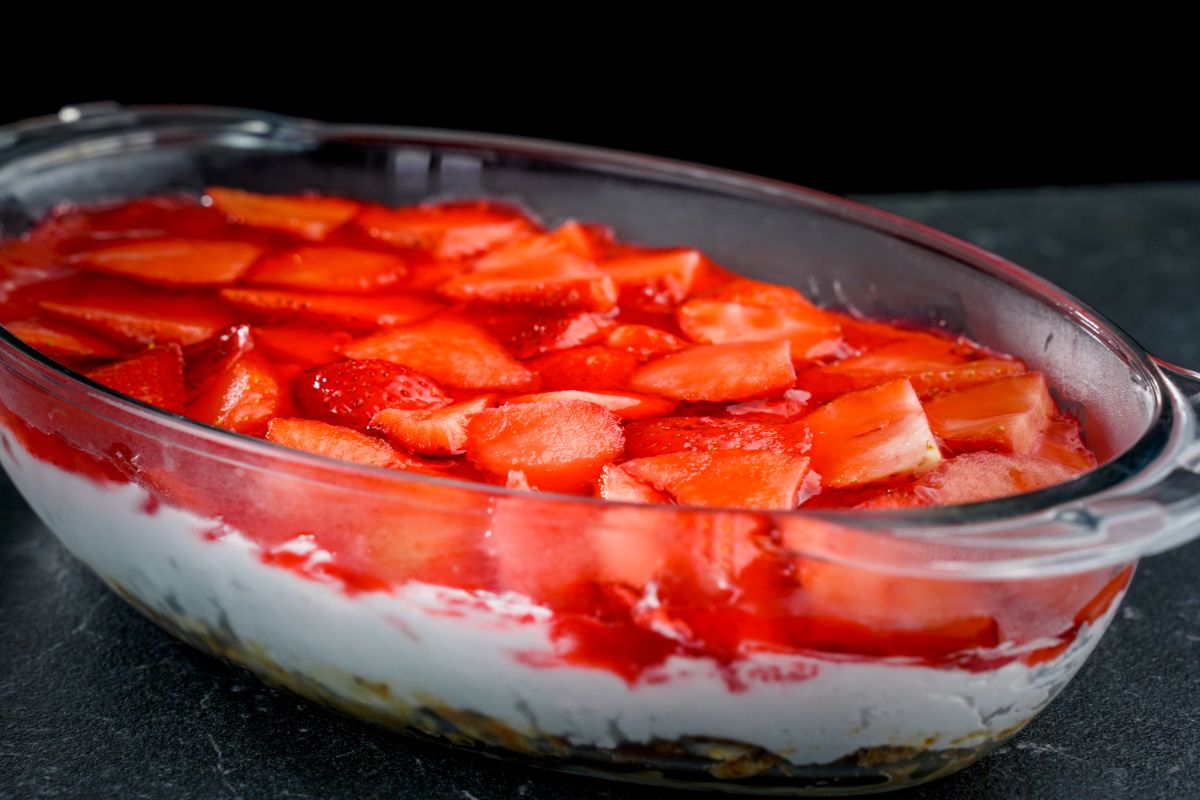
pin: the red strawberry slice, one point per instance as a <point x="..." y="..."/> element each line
<point x="447" y="230"/>
<point x="757" y="293"/>
<point x="355" y="312"/>
<point x="812" y="332"/>
<point x="531" y="334"/>
<point x="351" y="393"/>
<point x="560" y="446"/>
<point x="205" y="361"/>
<point x="590" y="369"/>
<point x="645" y="341"/>
<point x="975" y="477"/>
<point x="872" y="435"/>
<point x="719" y="372"/>
<point x="433" y="432"/>
<point x="791" y="403"/>
<point x="618" y="485"/>
<point x="573" y="238"/>
<point x="308" y="217"/>
<point x="1064" y="445"/>
<point x="242" y="398"/>
<point x="329" y="269"/>
<point x="724" y="478"/>
<point x="308" y="347"/>
<point x="706" y="434"/>
<point x="173" y="262"/>
<point x="1010" y="415"/>
<point x="143" y="316"/>
<point x="451" y="351"/>
<point x="563" y="281"/>
<point x="625" y="405"/>
<point x="155" y="377"/>
<point x="655" y="281"/>
<point x="331" y="441"/>
<point x="60" y="341"/>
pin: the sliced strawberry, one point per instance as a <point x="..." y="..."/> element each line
<point x="447" y="230"/>
<point x="656" y="281"/>
<point x="1063" y="444"/>
<point x="243" y="398"/>
<point x="530" y="334"/>
<point x="308" y="217"/>
<point x="625" y="405"/>
<point x="329" y="269"/>
<point x="356" y="312"/>
<point x="724" y="478"/>
<point x="451" y="351"/>
<point x="791" y="403"/>
<point x="173" y="262"/>
<point x="619" y="486"/>
<point x="645" y="341"/>
<point x="707" y="434"/>
<point x="1010" y="415"/>
<point x="205" y="361"/>
<point x="719" y="372"/>
<point x="433" y="432"/>
<point x="975" y="477"/>
<point x="872" y="435"/>
<point x="331" y="441"/>
<point x="155" y="377"/>
<point x="560" y="282"/>
<point x="59" y="341"/>
<point x="584" y="241"/>
<point x="560" y="446"/>
<point x="309" y="347"/>
<point x="351" y="393"/>
<point x="144" y="316"/>
<point x="590" y="369"/>
<point x="812" y="332"/>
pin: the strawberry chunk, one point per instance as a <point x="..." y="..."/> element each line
<point x="451" y="351"/>
<point x="625" y="405"/>
<point x="155" y="377"/>
<point x="590" y="369"/>
<point x="655" y="281"/>
<point x="707" y="434"/>
<point x="173" y="262"/>
<point x="559" y="282"/>
<point x="724" y="478"/>
<point x="331" y="441"/>
<point x="645" y="341"/>
<point x="976" y="477"/>
<point x="60" y="341"/>
<point x="560" y="446"/>
<point x="308" y="217"/>
<point x="205" y="361"/>
<point x="872" y="435"/>
<point x="355" y="312"/>
<point x="616" y="484"/>
<point x="1064" y="445"/>
<point x="308" y="347"/>
<point x="433" y="432"/>
<point x="757" y="293"/>
<point x="812" y="332"/>
<point x="447" y="230"/>
<point x="530" y="334"/>
<point x="571" y="238"/>
<point x="719" y="372"/>
<point x="329" y="269"/>
<point x="242" y="398"/>
<point x="143" y="316"/>
<point x="351" y="393"/>
<point x="1010" y="415"/>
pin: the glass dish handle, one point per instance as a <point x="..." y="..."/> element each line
<point x="1178" y="492"/>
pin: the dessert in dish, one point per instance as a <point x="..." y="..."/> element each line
<point x="463" y="343"/>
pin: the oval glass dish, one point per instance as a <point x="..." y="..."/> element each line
<point x="379" y="593"/>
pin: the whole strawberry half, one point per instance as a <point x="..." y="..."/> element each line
<point x="350" y="393"/>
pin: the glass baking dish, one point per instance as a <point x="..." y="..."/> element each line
<point x="272" y="558"/>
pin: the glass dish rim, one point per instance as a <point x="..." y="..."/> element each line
<point x="994" y="524"/>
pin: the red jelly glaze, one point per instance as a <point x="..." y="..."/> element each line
<point x="603" y="624"/>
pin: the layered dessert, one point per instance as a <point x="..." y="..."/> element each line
<point x="591" y="553"/>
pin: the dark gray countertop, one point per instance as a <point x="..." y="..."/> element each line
<point x="97" y="702"/>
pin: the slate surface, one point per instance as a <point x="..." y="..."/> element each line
<point x="96" y="702"/>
